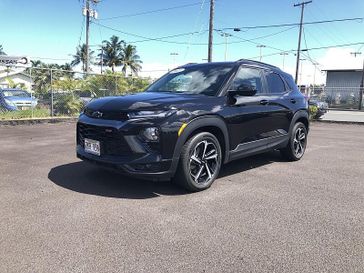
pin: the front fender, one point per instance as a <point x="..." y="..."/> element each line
<point x="193" y="126"/>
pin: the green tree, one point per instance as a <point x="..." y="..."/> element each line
<point x="131" y="60"/>
<point x="113" y="52"/>
<point x="81" y="56"/>
<point x="42" y="76"/>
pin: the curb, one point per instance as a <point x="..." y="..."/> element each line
<point x="14" y="122"/>
<point x="339" y="122"/>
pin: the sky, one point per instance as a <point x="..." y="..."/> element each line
<point x="51" y="31"/>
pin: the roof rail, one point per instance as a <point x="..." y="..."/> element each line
<point x="257" y="62"/>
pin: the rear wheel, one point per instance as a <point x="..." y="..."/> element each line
<point x="200" y="162"/>
<point x="297" y="143"/>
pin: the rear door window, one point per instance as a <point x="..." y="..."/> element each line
<point x="275" y="83"/>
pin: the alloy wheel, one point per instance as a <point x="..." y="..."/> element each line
<point x="204" y="162"/>
<point x="299" y="142"/>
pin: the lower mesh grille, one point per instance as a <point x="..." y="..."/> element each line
<point x="111" y="140"/>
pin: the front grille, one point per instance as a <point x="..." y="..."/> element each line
<point x="110" y="115"/>
<point x="112" y="142"/>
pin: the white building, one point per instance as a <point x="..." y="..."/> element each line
<point x="17" y="76"/>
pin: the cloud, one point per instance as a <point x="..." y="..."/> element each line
<point x="340" y="58"/>
<point x="333" y="58"/>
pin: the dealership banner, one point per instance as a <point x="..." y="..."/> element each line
<point x="14" y="61"/>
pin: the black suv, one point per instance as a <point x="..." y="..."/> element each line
<point x="195" y="118"/>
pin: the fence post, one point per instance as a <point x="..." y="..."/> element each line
<point x="361" y="88"/>
<point x="31" y="93"/>
<point x="51" y="93"/>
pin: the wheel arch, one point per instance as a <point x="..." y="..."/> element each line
<point x="212" y="124"/>
<point x="300" y="116"/>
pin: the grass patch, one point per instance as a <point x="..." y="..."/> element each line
<point x="24" y="114"/>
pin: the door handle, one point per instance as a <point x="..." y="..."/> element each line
<point x="264" y="102"/>
<point x="293" y="100"/>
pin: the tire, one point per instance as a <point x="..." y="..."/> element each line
<point x="296" y="146"/>
<point x="199" y="163"/>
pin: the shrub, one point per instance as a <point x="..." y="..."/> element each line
<point x="313" y="112"/>
<point x="68" y="104"/>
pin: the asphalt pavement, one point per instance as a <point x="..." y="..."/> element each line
<point x="263" y="214"/>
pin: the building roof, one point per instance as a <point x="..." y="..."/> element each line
<point x="344" y="70"/>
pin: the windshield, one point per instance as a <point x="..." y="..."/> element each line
<point x="15" y="93"/>
<point x="199" y="79"/>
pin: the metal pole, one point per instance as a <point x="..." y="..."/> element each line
<point x="361" y="89"/>
<point x="87" y="34"/>
<point x="31" y="93"/>
<point x="284" y="55"/>
<point x="299" y="36"/>
<point x="226" y="35"/>
<point x="52" y="110"/>
<point x="260" y="51"/>
<point x="211" y="29"/>
<point x="102" y="58"/>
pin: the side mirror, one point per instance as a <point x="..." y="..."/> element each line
<point x="243" y="90"/>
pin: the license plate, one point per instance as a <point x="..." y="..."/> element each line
<point x="92" y="146"/>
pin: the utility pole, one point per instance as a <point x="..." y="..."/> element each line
<point x="260" y="51"/>
<point x="102" y="57"/>
<point x="301" y="62"/>
<point x="355" y="53"/>
<point x="302" y="5"/>
<point x="226" y="36"/>
<point x="361" y="88"/>
<point x="89" y="13"/>
<point x="174" y="54"/>
<point x="87" y="35"/>
<point x="211" y="30"/>
<point x="314" y="75"/>
<point x="284" y="54"/>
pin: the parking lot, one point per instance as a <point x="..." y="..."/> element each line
<point x="262" y="215"/>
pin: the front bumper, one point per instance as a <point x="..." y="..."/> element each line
<point x="149" y="166"/>
<point x="121" y="149"/>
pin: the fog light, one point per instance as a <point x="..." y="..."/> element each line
<point x="151" y="134"/>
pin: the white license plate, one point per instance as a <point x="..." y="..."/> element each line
<point x="92" y="146"/>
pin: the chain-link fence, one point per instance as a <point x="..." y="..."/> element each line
<point x="58" y="92"/>
<point x="54" y="92"/>
<point x="347" y="97"/>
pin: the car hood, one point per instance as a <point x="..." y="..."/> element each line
<point x="144" y="101"/>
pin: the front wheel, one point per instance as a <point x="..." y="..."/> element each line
<point x="200" y="162"/>
<point x="297" y="143"/>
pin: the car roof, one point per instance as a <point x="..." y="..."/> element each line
<point x="12" y="89"/>
<point x="236" y="63"/>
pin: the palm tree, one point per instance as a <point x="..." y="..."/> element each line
<point x="113" y="52"/>
<point x="2" y="50"/>
<point x="81" y="56"/>
<point x="131" y="60"/>
<point x="68" y="70"/>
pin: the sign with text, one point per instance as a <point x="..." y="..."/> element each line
<point x="14" y="61"/>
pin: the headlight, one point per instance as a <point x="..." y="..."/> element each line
<point x="9" y="102"/>
<point x="151" y="134"/>
<point x="151" y="114"/>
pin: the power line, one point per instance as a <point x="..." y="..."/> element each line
<point x="294" y="24"/>
<point x="261" y="37"/>
<point x="151" y="11"/>
<point x="312" y="48"/>
<point x="161" y="39"/>
<point x="340" y="45"/>
<point x="145" y="39"/>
